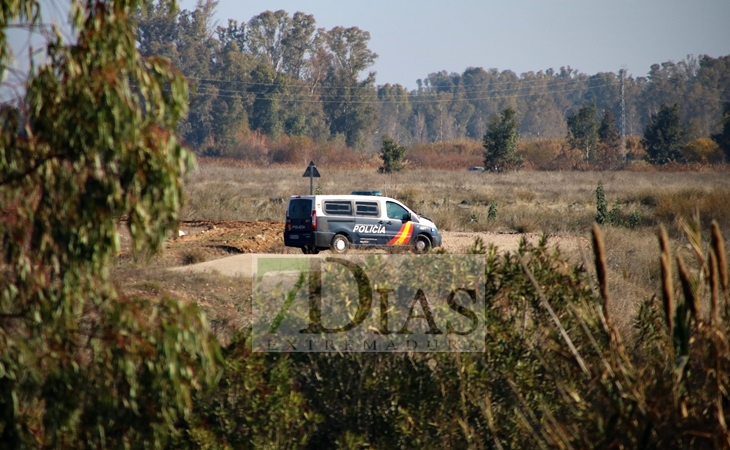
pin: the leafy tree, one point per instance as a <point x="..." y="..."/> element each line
<point x="186" y="38"/>
<point x="266" y="114"/>
<point x="281" y="41"/>
<point x="607" y="131"/>
<point x="664" y="136"/>
<point x="395" y="108"/>
<point x="233" y="70"/>
<point x="82" y="365"/>
<point x="392" y="155"/>
<point x="723" y="137"/>
<point x="610" y="139"/>
<point x="583" y="129"/>
<point x="298" y="43"/>
<point x="500" y="142"/>
<point x="265" y="35"/>
<point x="234" y="32"/>
<point x="349" y="103"/>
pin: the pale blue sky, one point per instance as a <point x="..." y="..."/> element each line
<point x="415" y="38"/>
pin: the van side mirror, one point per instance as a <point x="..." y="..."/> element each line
<point x="406" y="217"/>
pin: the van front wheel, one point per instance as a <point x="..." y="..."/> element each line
<point x="422" y="244"/>
<point x="339" y="244"/>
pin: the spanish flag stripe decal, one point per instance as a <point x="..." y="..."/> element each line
<point x="403" y="236"/>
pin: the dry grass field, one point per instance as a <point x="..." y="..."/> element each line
<point x="528" y="201"/>
<point x="561" y="204"/>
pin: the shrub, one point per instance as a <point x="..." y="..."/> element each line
<point x="492" y="213"/>
<point x="452" y="155"/>
<point x="635" y="150"/>
<point x="500" y="143"/>
<point x="392" y="155"/>
<point x="664" y="136"/>
<point x="704" y="151"/>
<point x="601" y="205"/>
<point x="540" y="153"/>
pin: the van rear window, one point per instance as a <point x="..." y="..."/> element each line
<point x="339" y="208"/>
<point x="300" y="208"/>
<point x="367" y="209"/>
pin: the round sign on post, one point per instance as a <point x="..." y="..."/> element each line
<point x="312" y="173"/>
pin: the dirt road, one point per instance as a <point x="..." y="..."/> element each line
<point x="229" y="247"/>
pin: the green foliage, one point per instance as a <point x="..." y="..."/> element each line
<point x="654" y="395"/>
<point x="266" y="114"/>
<point x="615" y="213"/>
<point x="492" y="212"/>
<point x="614" y="216"/>
<point x="500" y="142"/>
<point x="601" y="204"/>
<point x="664" y="136"/>
<point x="392" y="155"/>
<point x="555" y="374"/>
<point x="350" y="107"/>
<point x="608" y="152"/>
<point x="608" y="134"/>
<point x="723" y="137"/>
<point x="634" y="220"/>
<point x="583" y="130"/>
<point x="255" y="404"/>
<point x="81" y="364"/>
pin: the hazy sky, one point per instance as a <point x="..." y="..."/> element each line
<point x="415" y="38"/>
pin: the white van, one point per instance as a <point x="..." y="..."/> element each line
<point x="338" y="222"/>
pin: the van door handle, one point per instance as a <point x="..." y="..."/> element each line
<point x="382" y="222"/>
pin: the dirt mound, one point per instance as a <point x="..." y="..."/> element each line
<point x="232" y="236"/>
<point x="202" y="240"/>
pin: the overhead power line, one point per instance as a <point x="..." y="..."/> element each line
<point x="339" y="98"/>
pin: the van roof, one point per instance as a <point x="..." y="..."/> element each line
<point x="342" y="197"/>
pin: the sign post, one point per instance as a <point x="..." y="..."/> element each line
<point x="312" y="173"/>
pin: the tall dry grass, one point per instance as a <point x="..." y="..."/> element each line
<point x="551" y="202"/>
<point x="526" y="202"/>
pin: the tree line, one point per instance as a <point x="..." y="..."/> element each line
<point x="278" y="74"/>
<point x="665" y="140"/>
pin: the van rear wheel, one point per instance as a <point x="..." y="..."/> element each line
<point x="422" y="244"/>
<point x="310" y="250"/>
<point x="340" y="244"/>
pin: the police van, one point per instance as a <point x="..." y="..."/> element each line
<point x="338" y="222"/>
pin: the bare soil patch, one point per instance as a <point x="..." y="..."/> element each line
<point x="203" y="240"/>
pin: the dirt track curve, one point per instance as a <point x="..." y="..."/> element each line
<point x="216" y="240"/>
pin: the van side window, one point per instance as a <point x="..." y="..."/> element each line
<point x="338" y="208"/>
<point x="396" y="211"/>
<point x="367" y="209"/>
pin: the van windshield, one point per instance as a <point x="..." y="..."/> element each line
<point x="300" y="208"/>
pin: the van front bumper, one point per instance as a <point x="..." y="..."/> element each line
<point x="436" y="240"/>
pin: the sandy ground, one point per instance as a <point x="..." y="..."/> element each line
<point x="459" y="241"/>
<point x="230" y="247"/>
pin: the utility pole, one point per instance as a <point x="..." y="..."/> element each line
<point x="622" y="75"/>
